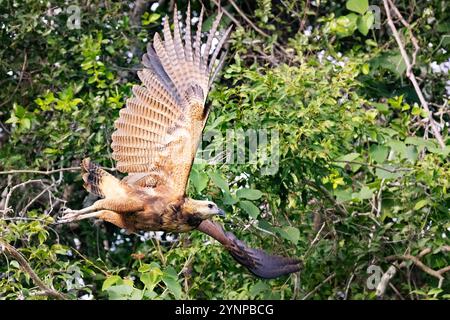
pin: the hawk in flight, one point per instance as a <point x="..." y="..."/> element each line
<point x="155" y="142"/>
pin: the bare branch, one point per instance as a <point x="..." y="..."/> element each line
<point x="374" y="166"/>
<point x="417" y="262"/>
<point x="410" y="74"/>
<point x="411" y="36"/>
<point x="244" y="16"/>
<point x="40" y="172"/>
<point x="331" y="276"/>
<point x="8" y="196"/>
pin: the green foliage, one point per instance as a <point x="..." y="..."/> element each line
<point x="358" y="177"/>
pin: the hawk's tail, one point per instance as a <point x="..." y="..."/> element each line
<point x="96" y="180"/>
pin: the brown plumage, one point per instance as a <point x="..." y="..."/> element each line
<point x="155" y="142"/>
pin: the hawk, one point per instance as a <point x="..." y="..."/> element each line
<point x="155" y="141"/>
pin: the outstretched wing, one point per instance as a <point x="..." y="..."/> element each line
<point x="256" y="261"/>
<point x="158" y="132"/>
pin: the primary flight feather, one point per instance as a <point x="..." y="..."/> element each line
<point x="155" y="142"/>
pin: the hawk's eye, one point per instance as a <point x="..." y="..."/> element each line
<point x="210" y="206"/>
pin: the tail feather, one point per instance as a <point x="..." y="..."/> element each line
<point x="96" y="180"/>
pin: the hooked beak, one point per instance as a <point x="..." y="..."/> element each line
<point x="221" y="213"/>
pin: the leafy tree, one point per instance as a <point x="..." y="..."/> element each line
<point x="358" y="184"/>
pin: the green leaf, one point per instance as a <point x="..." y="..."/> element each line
<point x="349" y="157"/>
<point x="343" y="195"/>
<point x="394" y="62"/>
<point x="359" y="6"/>
<point x="344" y="26"/>
<point x="120" y="292"/>
<point x="411" y="153"/>
<point x="420" y="204"/>
<point x="136" y="294"/>
<point x="263" y="224"/>
<point x="435" y="291"/>
<point x="144" y="268"/>
<point x="378" y="153"/>
<point x="382" y="107"/>
<point x="150" y="18"/>
<point x="365" y="68"/>
<point x="343" y="161"/>
<point x="172" y="283"/>
<point x="250" y="208"/>
<point x="391" y="174"/>
<point x="219" y="181"/>
<point x="399" y="147"/>
<point x="258" y="288"/>
<point x="110" y="281"/>
<point x="150" y="279"/>
<point x="250" y="194"/>
<point x="365" y="22"/>
<point x="290" y="233"/>
<point x="363" y="194"/>
<point x="199" y="180"/>
<point x="420" y="142"/>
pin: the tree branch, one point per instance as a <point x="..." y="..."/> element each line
<point x="10" y="250"/>
<point x="439" y="274"/>
<point x="331" y="276"/>
<point x="40" y="172"/>
<point x="409" y="72"/>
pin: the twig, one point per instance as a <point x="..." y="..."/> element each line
<point x="331" y="276"/>
<point x="26" y="267"/>
<point x="396" y="291"/>
<point x="25" y="58"/>
<point x="243" y="15"/>
<point x="373" y="166"/>
<point x="347" y="288"/>
<point x="416" y="260"/>
<point x="411" y="36"/>
<point x="8" y="196"/>
<point x="316" y="239"/>
<point x="35" y="198"/>
<point x="340" y="208"/>
<point x="48" y="172"/>
<point x="229" y="15"/>
<point x="91" y="263"/>
<point x="411" y="75"/>
<point x="41" y="172"/>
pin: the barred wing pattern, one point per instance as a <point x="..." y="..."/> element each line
<point x="158" y="131"/>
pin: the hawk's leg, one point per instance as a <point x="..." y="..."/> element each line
<point x="77" y="217"/>
<point x="113" y="205"/>
<point x="69" y="213"/>
<point x="107" y="215"/>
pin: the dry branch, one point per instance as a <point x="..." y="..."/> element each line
<point x="390" y="273"/>
<point x="388" y="6"/>
<point x="331" y="276"/>
<point x="40" y="172"/>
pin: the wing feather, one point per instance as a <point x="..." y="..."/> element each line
<point x="198" y="36"/>
<point x="209" y="41"/>
<point x="187" y="35"/>
<point x="157" y="134"/>
<point x="179" y="50"/>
